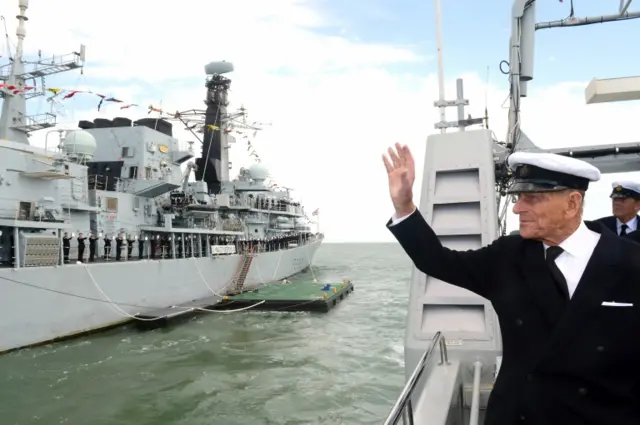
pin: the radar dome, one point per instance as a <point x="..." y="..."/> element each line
<point x="221" y="67"/>
<point x="258" y="172"/>
<point x="79" y="144"/>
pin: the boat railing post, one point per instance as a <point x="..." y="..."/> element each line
<point x="409" y="410"/>
<point x="61" y="252"/>
<point x="16" y="249"/>
<point x="444" y="355"/>
<point x="475" y="395"/>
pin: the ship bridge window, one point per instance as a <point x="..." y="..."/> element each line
<point x="133" y="172"/>
<point x="147" y="173"/>
<point x="127" y="152"/>
<point x="112" y="204"/>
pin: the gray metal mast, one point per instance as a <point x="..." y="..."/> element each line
<point x="15" y="124"/>
<point x="461" y="123"/>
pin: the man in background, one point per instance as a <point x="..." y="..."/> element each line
<point x="625" y="204"/>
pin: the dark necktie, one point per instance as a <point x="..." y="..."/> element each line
<point x="623" y="230"/>
<point x="552" y="253"/>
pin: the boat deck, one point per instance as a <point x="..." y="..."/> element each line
<point x="276" y="296"/>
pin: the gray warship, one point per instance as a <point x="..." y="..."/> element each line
<point x="104" y="224"/>
<point x="453" y="346"/>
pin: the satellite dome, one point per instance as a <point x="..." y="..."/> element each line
<point x="79" y="144"/>
<point x="221" y="67"/>
<point x="258" y="172"/>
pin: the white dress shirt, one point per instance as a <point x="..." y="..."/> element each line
<point x="632" y="225"/>
<point x="395" y="219"/>
<point x="578" y="249"/>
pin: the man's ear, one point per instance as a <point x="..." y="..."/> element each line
<point x="576" y="202"/>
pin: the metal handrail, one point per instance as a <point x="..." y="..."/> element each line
<point x="403" y="407"/>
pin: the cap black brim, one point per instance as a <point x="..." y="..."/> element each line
<point x="529" y="187"/>
<point x="624" y="196"/>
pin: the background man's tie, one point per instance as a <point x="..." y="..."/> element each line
<point x="623" y="230"/>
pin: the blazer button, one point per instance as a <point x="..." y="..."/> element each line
<point x="522" y="418"/>
<point x="518" y="322"/>
<point x="600" y="348"/>
<point x="582" y="391"/>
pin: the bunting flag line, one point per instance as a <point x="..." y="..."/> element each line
<point x="65" y="94"/>
<point x="68" y="94"/>
<point x="10" y="88"/>
<point x="60" y="94"/>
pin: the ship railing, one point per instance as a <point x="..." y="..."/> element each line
<point x="403" y="408"/>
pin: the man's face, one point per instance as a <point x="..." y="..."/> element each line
<point x="542" y="214"/>
<point x="625" y="208"/>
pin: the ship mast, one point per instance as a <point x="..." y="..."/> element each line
<point x="213" y="165"/>
<point x="215" y="122"/>
<point x="461" y="123"/>
<point x="15" y="124"/>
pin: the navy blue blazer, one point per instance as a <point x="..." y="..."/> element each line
<point x="565" y="362"/>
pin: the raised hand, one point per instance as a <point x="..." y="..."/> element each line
<point x="401" y="171"/>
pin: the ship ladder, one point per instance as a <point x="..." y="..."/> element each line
<point x="244" y="270"/>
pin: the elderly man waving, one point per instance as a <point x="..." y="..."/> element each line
<point x="566" y="293"/>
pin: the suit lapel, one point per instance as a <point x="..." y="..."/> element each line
<point x="598" y="279"/>
<point x="540" y="282"/>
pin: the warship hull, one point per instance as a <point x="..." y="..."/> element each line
<point x="32" y="316"/>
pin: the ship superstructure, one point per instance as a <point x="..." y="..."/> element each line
<point x="111" y="203"/>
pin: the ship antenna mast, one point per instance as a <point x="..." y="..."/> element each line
<point x="441" y="103"/>
<point x="461" y="123"/>
<point x="21" y="33"/>
<point x="15" y="124"/>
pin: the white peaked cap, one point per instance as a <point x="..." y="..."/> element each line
<point x="625" y="189"/>
<point x="627" y="184"/>
<point x="554" y="162"/>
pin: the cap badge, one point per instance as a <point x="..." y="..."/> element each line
<point x="618" y="188"/>
<point x="524" y="170"/>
